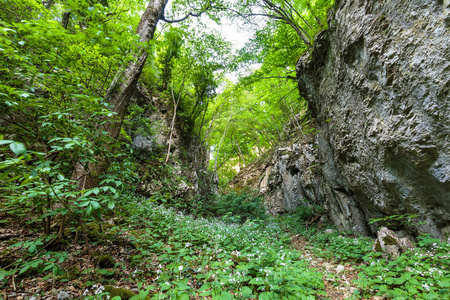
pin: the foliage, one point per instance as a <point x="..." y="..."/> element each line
<point x="422" y="273"/>
<point x="218" y="259"/>
<point x="241" y="207"/>
<point x="53" y="119"/>
<point x="301" y="216"/>
<point x="342" y="247"/>
<point x="398" y="222"/>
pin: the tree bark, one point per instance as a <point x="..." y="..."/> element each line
<point x="172" y="125"/>
<point x="65" y="19"/>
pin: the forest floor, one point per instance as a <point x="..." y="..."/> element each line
<point x="338" y="278"/>
<point x="157" y="253"/>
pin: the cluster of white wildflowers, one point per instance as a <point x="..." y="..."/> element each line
<point x="97" y="290"/>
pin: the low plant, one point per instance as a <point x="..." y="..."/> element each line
<point x="341" y="246"/>
<point x="422" y="273"/>
<point x="211" y="258"/>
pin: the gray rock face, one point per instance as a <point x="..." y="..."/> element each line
<point x="378" y="84"/>
<point x="287" y="179"/>
<point x="188" y="164"/>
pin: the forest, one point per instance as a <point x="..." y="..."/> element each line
<point x="122" y="126"/>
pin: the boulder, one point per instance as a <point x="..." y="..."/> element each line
<point x="389" y="243"/>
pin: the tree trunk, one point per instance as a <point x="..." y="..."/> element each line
<point x="65" y="19"/>
<point x="172" y="125"/>
<point x="124" y="83"/>
<point x="121" y="89"/>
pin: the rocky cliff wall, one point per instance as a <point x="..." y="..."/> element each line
<point x="378" y="84"/>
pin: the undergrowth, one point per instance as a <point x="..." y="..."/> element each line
<point x="211" y="258"/>
<point x="172" y="255"/>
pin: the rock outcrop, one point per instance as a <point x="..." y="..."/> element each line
<point x="287" y="178"/>
<point x="185" y="175"/>
<point x="377" y="83"/>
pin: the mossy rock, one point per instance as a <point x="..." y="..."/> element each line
<point x="70" y="273"/>
<point x="92" y="230"/>
<point x="124" y="294"/>
<point x="105" y="261"/>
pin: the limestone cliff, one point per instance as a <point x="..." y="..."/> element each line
<point x="378" y="84"/>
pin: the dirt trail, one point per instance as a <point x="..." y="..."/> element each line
<point x="339" y="278"/>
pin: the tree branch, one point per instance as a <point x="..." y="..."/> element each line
<point x="163" y="18"/>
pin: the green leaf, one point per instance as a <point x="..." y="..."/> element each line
<point x="89" y="209"/>
<point x="111" y="204"/>
<point x="246" y="291"/>
<point x="32" y="248"/>
<point x="204" y="287"/>
<point x="183" y="296"/>
<point x="257" y="281"/>
<point x="95" y="205"/>
<point x="182" y="287"/>
<point x="18" y="148"/>
<point x="226" y="296"/>
<point x="24" y="269"/>
<point x="5" y="142"/>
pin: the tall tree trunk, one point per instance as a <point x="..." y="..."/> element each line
<point x="172" y="125"/>
<point x="240" y="151"/>
<point x="124" y="83"/>
<point x="121" y="89"/>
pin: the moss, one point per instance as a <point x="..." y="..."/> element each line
<point x="124" y="294"/>
<point x="389" y="240"/>
<point x="12" y="241"/>
<point x="92" y="230"/>
<point x="70" y="273"/>
<point x="106" y="261"/>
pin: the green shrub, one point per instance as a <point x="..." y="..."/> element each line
<point x="240" y="207"/>
<point x="296" y="221"/>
